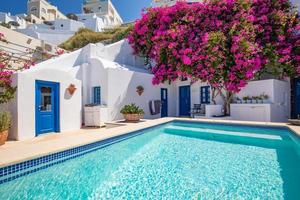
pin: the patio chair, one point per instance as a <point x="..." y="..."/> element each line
<point x="198" y="109"/>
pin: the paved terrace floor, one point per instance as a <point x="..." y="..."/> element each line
<point x="18" y="151"/>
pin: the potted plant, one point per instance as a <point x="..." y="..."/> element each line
<point x="265" y="97"/>
<point x="140" y="90"/>
<point x="238" y="100"/>
<point x="255" y="99"/>
<point x="260" y="99"/>
<point x="132" y="113"/>
<point x="5" y="122"/>
<point x="245" y="99"/>
<point x="249" y="100"/>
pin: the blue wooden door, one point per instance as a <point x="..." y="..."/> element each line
<point x="47" y="107"/>
<point x="184" y="100"/>
<point x="164" y="102"/>
<point x="297" y="98"/>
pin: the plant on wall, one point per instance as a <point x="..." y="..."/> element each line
<point x="225" y="43"/>
<point x="10" y="63"/>
<point x="5" y="123"/>
<point x="140" y="89"/>
<point x="71" y="89"/>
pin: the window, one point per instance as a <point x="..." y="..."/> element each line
<point x="183" y="78"/>
<point x="46" y="100"/>
<point x="44" y="10"/>
<point x="97" y="95"/>
<point x="205" y="94"/>
<point x="33" y="9"/>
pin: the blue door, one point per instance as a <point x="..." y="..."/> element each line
<point x="184" y="100"/>
<point x="296" y="113"/>
<point x="164" y="102"/>
<point x="47" y="107"/>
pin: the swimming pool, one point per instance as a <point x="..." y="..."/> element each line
<point x="177" y="160"/>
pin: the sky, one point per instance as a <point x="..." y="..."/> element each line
<point x="129" y="10"/>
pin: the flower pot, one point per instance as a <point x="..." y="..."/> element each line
<point x="3" y="137"/>
<point x="71" y="89"/>
<point x="140" y="92"/>
<point x="132" y="117"/>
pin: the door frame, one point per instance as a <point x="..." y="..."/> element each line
<point x="184" y="86"/>
<point x="55" y="86"/>
<point x="294" y="94"/>
<point x="161" y="97"/>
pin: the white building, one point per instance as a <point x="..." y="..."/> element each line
<point x="54" y="32"/>
<point x="109" y="75"/>
<point x="102" y="8"/>
<point x="15" y="22"/>
<point x="96" y="23"/>
<point x="41" y="10"/>
<point x="58" y="30"/>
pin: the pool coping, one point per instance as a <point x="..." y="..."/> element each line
<point x="84" y="137"/>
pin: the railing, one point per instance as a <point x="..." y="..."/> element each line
<point x="19" y="52"/>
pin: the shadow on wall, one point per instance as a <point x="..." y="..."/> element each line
<point x="67" y="95"/>
<point x="125" y="55"/>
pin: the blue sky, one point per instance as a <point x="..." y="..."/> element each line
<point x="128" y="9"/>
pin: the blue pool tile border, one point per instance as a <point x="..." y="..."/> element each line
<point x="278" y="127"/>
<point x="18" y="170"/>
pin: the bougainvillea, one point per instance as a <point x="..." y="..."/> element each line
<point x="223" y="42"/>
<point x="8" y="65"/>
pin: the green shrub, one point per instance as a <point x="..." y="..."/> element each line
<point x="86" y="36"/>
<point x="5" y="121"/>
<point x="132" y="109"/>
<point x="6" y="25"/>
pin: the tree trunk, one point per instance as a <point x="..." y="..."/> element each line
<point x="227" y="98"/>
<point x="213" y="95"/>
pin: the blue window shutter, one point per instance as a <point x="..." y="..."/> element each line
<point x="205" y="94"/>
<point x="97" y="95"/>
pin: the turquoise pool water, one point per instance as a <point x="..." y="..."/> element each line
<point x="177" y="160"/>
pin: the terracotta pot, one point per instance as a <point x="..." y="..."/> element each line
<point x="132" y="117"/>
<point x="72" y="89"/>
<point x="3" y="137"/>
<point x="140" y="92"/>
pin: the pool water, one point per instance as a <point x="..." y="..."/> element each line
<point x="178" y="160"/>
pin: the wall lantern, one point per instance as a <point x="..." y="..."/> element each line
<point x="140" y="89"/>
<point x="71" y="89"/>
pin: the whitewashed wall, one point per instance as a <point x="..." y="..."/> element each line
<point x="63" y="70"/>
<point x="24" y="118"/>
<point x="67" y="25"/>
<point x="118" y="88"/>
<point x="120" y="52"/>
<point x="279" y="99"/>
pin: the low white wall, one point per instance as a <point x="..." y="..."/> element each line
<point x="279" y="101"/>
<point x="251" y="112"/>
<point x="23" y="107"/>
<point x="120" y="52"/>
<point x="55" y="37"/>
